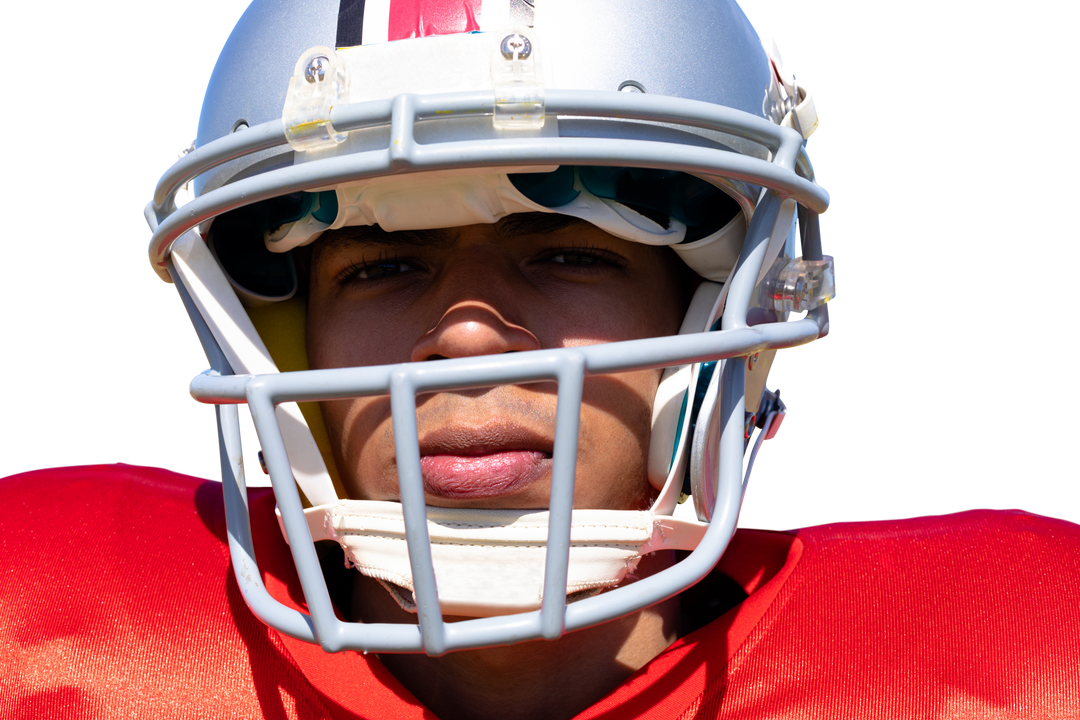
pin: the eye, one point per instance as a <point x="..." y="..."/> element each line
<point x="371" y="271"/>
<point x="584" y="258"/>
<point x="576" y="258"/>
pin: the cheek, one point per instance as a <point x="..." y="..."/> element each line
<point x="657" y="310"/>
<point x="323" y="333"/>
<point x="362" y="441"/>
<point x="616" y="425"/>
<point x="342" y="334"/>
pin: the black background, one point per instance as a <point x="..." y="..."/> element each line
<point x="915" y="405"/>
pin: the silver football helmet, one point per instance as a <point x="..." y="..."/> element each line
<point x="661" y="123"/>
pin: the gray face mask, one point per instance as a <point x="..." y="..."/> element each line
<point x="721" y="121"/>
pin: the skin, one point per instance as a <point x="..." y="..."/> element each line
<point x="525" y="283"/>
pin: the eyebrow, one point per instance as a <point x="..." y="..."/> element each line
<point x="360" y="235"/>
<point x="508" y="228"/>
<point x="534" y="223"/>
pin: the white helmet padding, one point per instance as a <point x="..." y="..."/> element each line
<point x="453" y="199"/>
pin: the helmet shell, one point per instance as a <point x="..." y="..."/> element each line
<point x="700" y="51"/>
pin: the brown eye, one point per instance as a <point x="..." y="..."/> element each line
<point x="579" y="259"/>
<point x="375" y="271"/>
<point x="379" y="270"/>
<point x="585" y="258"/>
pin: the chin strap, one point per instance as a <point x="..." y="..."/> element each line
<point x="491" y="562"/>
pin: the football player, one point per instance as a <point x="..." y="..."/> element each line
<point x="501" y="283"/>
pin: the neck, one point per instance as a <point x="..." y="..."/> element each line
<point x="540" y="679"/>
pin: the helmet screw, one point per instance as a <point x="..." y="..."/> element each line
<point x="516" y="44"/>
<point x="751" y="361"/>
<point x="316" y="69"/>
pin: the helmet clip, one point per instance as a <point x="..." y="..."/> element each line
<point x="517" y="79"/>
<point x="319" y="82"/>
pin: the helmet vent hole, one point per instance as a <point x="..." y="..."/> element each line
<point x="240" y="124"/>
<point x="632" y="86"/>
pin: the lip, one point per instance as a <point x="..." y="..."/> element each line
<point x="485" y="462"/>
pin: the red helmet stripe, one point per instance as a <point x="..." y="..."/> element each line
<point x="420" y="18"/>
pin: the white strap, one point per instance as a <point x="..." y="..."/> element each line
<point x="491" y="562"/>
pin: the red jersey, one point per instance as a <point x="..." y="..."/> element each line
<point x="117" y="600"/>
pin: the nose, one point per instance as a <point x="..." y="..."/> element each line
<point x="479" y="304"/>
<point x="470" y="328"/>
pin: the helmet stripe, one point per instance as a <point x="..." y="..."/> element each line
<point x="350" y="23"/>
<point x="421" y="18"/>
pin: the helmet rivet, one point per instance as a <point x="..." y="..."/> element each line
<point x="316" y="69"/>
<point x="751" y="361"/>
<point x="516" y="43"/>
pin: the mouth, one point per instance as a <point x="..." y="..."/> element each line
<point x="483" y="463"/>
<point x="483" y="476"/>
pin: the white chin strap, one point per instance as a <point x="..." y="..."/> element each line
<point x="491" y="562"/>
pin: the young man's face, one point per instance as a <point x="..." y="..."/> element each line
<point x="526" y="283"/>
